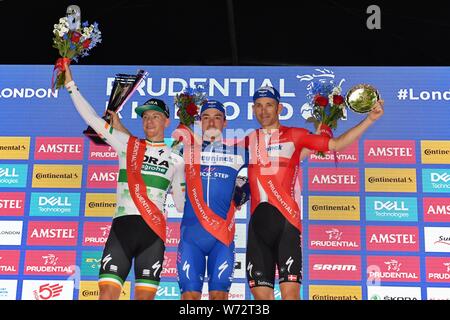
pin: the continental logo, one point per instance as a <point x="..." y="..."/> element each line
<point x="57" y="176"/>
<point x="14" y="148"/>
<point x="317" y="292"/>
<point x="100" y="204"/>
<point x="435" y="152"/>
<point x="89" y="291"/>
<point x="390" y="180"/>
<point x="333" y="208"/>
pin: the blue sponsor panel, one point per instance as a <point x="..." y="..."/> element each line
<point x="168" y="291"/>
<point x="13" y="175"/>
<point x="391" y="209"/>
<point x="55" y="204"/>
<point x="436" y="180"/>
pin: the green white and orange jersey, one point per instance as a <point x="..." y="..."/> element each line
<point x="161" y="170"/>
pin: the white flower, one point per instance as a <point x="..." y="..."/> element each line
<point x="61" y="34"/>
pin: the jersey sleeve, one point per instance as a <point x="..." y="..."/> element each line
<point x="178" y="183"/>
<point x="116" y="139"/>
<point x="306" y="139"/>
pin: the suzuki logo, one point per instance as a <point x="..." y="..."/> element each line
<point x="54" y="201"/>
<point x="390" y="205"/>
<point x="436" y="177"/>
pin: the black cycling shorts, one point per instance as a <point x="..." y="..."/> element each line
<point x="272" y="242"/>
<point x="131" y="238"/>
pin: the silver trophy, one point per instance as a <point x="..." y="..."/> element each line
<point x="361" y="98"/>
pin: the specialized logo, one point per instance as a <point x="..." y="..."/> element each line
<point x="55" y="204"/>
<point x="57" y="176"/>
<point x="46" y="233"/>
<point x="436" y="209"/>
<point x="156" y="266"/>
<point x="349" y="155"/>
<point x="437" y="239"/>
<point x="186" y="267"/>
<point x="11" y="233"/>
<point x="12" y="203"/>
<point x="391" y="209"/>
<point x="13" y="175"/>
<point x="320" y="292"/>
<point x="101" y="152"/>
<point x="103" y="177"/>
<point x="436" y="180"/>
<point x="222" y="268"/>
<point x="335" y="180"/>
<point x="41" y="262"/>
<point x="435" y="152"/>
<point x="390" y="151"/>
<point x="388" y="238"/>
<point x="105" y="261"/>
<point x="9" y="262"/>
<point x="47" y="290"/>
<point x="333" y="208"/>
<point x="334" y="267"/>
<point x="438" y="269"/>
<point x="58" y="148"/>
<point x="326" y="237"/>
<point x="100" y="204"/>
<point x="394" y="269"/>
<point x="390" y="180"/>
<point x="14" y="148"/>
<point x="250" y="269"/>
<point x="96" y="233"/>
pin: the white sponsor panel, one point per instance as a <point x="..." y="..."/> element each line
<point x="237" y="291"/>
<point x="438" y="293"/>
<point x="240" y="236"/>
<point x="47" y="290"/>
<point x="239" y="270"/>
<point x="393" y="293"/>
<point x="437" y="239"/>
<point x="11" y="233"/>
<point x="242" y="213"/>
<point x="171" y="210"/>
<point x="8" y="289"/>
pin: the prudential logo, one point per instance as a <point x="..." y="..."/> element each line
<point x="391" y="209"/>
<point x="436" y="180"/>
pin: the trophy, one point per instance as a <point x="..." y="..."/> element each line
<point x="124" y="86"/>
<point x="361" y="98"/>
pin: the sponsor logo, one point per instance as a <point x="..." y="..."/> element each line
<point x="436" y="209"/>
<point x="393" y="293"/>
<point x="237" y="291"/>
<point x="171" y="208"/>
<point x="169" y="265"/>
<point x="28" y="93"/>
<point x="334" y="237"/>
<point x="389" y="151"/>
<point x="438" y="269"/>
<point x="41" y="262"/>
<point x="172" y="234"/>
<point x="59" y="148"/>
<point x="14" y="148"/>
<point x="390" y="180"/>
<point x="317" y="292"/>
<point x="55" y="204"/>
<point x="437" y="239"/>
<point x="435" y="152"/>
<point x="335" y="180"/>
<point x="394" y="269"/>
<point x="240" y="236"/>
<point x="57" y="176"/>
<point x="101" y="152"/>
<point x="334" y="267"/>
<point x="436" y="180"/>
<point x="11" y="233"/>
<point x="168" y="291"/>
<point x="438" y="293"/>
<point x="47" y="233"/>
<point x="391" y="209"/>
<point x="12" y="203"/>
<point x="9" y="262"/>
<point x="90" y="262"/>
<point x="100" y="204"/>
<point x="392" y="238"/>
<point x="333" y="208"/>
<point x="349" y="155"/>
<point x="8" y="289"/>
<point x="96" y="233"/>
<point x="89" y="291"/>
<point x="47" y="290"/>
<point x="103" y="177"/>
<point x="13" y="175"/>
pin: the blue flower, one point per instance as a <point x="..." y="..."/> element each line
<point x="85" y="24"/>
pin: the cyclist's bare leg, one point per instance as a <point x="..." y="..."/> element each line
<point x="290" y="290"/>
<point x="263" y="293"/>
<point x="109" y="291"/>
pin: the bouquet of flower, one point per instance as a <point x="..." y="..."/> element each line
<point x="72" y="42"/>
<point x="328" y="106"/>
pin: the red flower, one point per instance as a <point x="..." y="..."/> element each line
<point x="86" y="43"/>
<point x="191" y="109"/>
<point x="321" y="101"/>
<point x="337" y="100"/>
<point x="75" y="37"/>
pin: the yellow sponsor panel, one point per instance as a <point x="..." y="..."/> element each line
<point x="390" y="180"/>
<point x="100" y="204"/>
<point x="16" y="148"/>
<point x="333" y="208"/>
<point x="89" y="291"/>
<point x="435" y="152"/>
<point x="335" y="292"/>
<point x="57" y="176"/>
